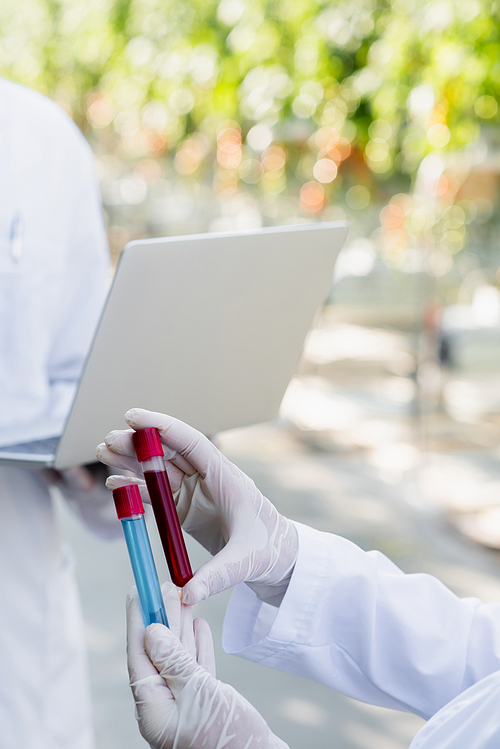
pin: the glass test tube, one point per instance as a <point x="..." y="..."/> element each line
<point x="130" y="510"/>
<point x="149" y="451"/>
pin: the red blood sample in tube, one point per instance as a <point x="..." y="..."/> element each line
<point x="149" y="453"/>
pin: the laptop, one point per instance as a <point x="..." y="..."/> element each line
<point x="208" y="328"/>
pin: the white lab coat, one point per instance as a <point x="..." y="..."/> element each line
<point x="52" y="285"/>
<point x="353" y="621"/>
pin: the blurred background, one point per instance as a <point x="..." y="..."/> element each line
<point x="209" y="116"/>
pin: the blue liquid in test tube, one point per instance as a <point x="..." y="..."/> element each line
<point x="129" y="508"/>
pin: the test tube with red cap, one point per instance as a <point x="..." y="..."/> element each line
<point x="149" y="451"/>
<point x="130" y="511"/>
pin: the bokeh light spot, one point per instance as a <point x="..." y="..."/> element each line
<point x="439" y="135"/>
<point x="358" y="197"/>
<point x="312" y="197"/>
<point x="325" y="170"/>
<point x="486" y="107"/>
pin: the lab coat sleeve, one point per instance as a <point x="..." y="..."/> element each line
<point x="470" y="721"/>
<point x="354" y="621"/>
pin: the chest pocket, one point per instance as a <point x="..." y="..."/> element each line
<point x="11" y="244"/>
<point x="10" y="221"/>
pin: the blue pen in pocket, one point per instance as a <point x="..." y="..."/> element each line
<point x="130" y="511"/>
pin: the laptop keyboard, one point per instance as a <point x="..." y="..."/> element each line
<point x="37" y="447"/>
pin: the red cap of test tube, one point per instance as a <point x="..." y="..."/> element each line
<point x="147" y="443"/>
<point x="128" y="501"/>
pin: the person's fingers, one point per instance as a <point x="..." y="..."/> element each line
<point x="223" y="571"/>
<point x="190" y="443"/>
<point x="110" y="458"/>
<point x="179" y="461"/>
<point x="205" y="654"/>
<point x="180" y="617"/>
<point x="118" y="460"/>
<point x="170" y="657"/>
<point x="172" y="602"/>
<point x="187" y="632"/>
<point x="78" y="478"/>
<point x="175" y="476"/>
<point x="151" y="692"/>
<point x="120" y="441"/>
<point x="115" y="482"/>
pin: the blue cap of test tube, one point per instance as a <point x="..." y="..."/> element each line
<point x="128" y="501"/>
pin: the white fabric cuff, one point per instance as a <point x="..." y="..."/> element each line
<point x="257" y="630"/>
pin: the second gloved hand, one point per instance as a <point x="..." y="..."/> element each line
<point x="218" y="505"/>
<point x="180" y="704"/>
<point x="83" y="489"/>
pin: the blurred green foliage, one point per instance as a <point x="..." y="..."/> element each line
<point x="397" y="79"/>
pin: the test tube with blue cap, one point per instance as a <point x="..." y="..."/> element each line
<point x="130" y="511"/>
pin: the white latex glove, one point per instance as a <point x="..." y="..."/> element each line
<point x="218" y="505"/>
<point x="179" y="701"/>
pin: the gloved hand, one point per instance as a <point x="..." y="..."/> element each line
<point x="83" y="489"/>
<point x="218" y="505"/>
<point x="179" y="701"/>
